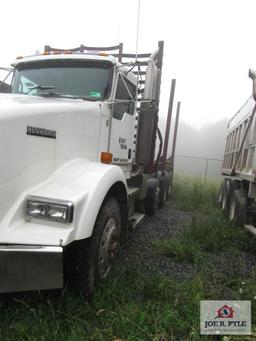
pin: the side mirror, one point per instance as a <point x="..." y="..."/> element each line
<point x="151" y="80"/>
<point x="252" y="75"/>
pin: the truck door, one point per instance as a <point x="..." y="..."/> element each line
<point x="123" y="122"/>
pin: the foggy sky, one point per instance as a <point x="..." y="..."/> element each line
<point x="209" y="44"/>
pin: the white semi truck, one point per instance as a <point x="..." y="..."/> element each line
<point x="78" y="168"/>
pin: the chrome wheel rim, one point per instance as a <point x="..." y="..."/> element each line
<point x="109" y="245"/>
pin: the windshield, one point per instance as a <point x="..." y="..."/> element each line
<point x="83" y="79"/>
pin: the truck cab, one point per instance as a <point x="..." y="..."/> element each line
<point x="92" y="79"/>
<point x="78" y="164"/>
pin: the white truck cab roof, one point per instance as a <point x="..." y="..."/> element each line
<point x="71" y="56"/>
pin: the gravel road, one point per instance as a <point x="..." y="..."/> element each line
<point x="139" y="250"/>
<point x="169" y="222"/>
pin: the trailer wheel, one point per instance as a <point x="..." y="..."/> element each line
<point x="151" y="201"/>
<point x="229" y="187"/>
<point x="238" y="206"/>
<point x="96" y="255"/>
<point x="220" y="196"/>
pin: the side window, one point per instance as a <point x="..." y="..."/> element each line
<point x="125" y="91"/>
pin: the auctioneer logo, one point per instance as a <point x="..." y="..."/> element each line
<point x="225" y="317"/>
<point x="225" y="312"/>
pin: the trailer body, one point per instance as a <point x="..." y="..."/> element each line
<point x="240" y="157"/>
<point x="238" y="190"/>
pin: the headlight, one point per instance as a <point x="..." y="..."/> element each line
<point x="49" y="209"/>
<point x="36" y="209"/>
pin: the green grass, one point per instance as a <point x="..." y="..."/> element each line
<point x="209" y="230"/>
<point x="205" y="234"/>
<point x="214" y="233"/>
<point x="193" y="194"/>
<point x="180" y="250"/>
<point x="216" y="247"/>
<point x="130" y="306"/>
<point x="134" y="306"/>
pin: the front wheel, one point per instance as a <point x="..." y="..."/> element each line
<point x="96" y="257"/>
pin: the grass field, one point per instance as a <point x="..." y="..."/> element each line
<point x="132" y="305"/>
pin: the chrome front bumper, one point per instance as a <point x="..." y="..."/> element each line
<point x="28" y="267"/>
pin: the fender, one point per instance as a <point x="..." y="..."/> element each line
<point x="96" y="180"/>
<point x="83" y="182"/>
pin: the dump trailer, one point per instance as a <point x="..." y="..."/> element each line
<point x="79" y="165"/>
<point x="237" y="196"/>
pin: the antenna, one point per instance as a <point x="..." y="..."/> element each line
<point x="138" y="29"/>
<point x="118" y="34"/>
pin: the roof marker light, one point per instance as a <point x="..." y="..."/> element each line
<point x="104" y="54"/>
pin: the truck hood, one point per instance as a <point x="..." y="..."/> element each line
<point x="11" y="101"/>
<point x="27" y="160"/>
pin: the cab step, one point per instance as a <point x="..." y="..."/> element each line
<point x="136" y="218"/>
<point x="251" y="229"/>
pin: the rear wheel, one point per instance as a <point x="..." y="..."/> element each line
<point x="151" y="202"/>
<point x="220" y="197"/>
<point x="169" y="186"/>
<point x="238" y="206"/>
<point x="229" y="186"/>
<point x="163" y="185"/>
<point x="162" y="197"/>
<point x="95" y="256"/>
<point x="226" y="195"/>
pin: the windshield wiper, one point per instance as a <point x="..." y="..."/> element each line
<point x="57" y="94"/>
<point x="40" y="87"/>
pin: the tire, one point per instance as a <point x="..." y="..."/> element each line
<point x="220" y="196"/>
<point x="162" y="197"/>
<point x="95" y="255"/>
<point x="151" y="201"/>
<point x="238" y="207"/>
<point x="229" y="187"/>
<point x="169" y="186"/>
<point x="163" y="184"/>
